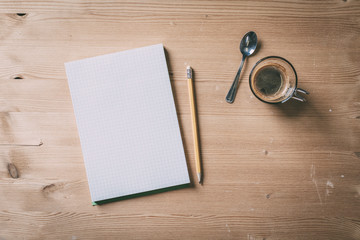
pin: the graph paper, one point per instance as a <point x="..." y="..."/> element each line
<point x="127" y="122"/>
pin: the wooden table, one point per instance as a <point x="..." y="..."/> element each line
<point x="288" y="171"/>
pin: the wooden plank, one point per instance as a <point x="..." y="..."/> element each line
<point x="286" y="171"/>
<point x="57" y="225"/>
<point x="259" y="9"/>
<point x="315" y="178"/>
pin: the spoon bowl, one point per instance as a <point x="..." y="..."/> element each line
<point x="248" y="43"/>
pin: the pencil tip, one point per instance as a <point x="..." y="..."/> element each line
<point x="199" y="177"/>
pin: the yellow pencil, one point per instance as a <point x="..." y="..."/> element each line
<point x="194" y="123"/>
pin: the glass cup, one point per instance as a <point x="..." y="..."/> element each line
<point x="273" y="80"/>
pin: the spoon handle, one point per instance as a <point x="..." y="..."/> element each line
<point x="230" y="97"/>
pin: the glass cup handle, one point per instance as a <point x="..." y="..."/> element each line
<point x="297" y="97"/>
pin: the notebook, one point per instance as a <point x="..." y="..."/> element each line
<point x="127" y="123"/>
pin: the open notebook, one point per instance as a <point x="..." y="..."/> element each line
<point x="127" y="123"/>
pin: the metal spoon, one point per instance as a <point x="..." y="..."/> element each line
<point x="247" y="47"/>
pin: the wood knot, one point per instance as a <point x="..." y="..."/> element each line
<point x="22" y="14"/>
<point x="48" y="188"/>
<point x="268" y="195"/>
<point x="266" y="152"/>
<point x="51" y="188"/>
<point x="12" y="170"/>
<point x="17" y="76"/>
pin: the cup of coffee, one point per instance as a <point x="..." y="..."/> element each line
<point x="273" y="80"/>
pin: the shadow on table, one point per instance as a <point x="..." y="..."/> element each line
<point x="297" y="110"/>
<point x="140" y="194"/>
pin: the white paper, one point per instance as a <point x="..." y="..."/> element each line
<point x="127" y="122"/>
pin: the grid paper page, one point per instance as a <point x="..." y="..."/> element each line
<point x="127" y="122"/>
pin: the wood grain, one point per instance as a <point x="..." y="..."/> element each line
<point x="286" y="171"/>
